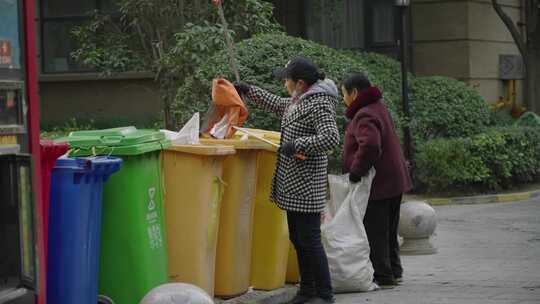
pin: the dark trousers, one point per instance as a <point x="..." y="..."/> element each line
<point x="381" y="222"/>
<point x="305" y="234"/>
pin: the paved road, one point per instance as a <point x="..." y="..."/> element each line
<point x="487" y="254"/>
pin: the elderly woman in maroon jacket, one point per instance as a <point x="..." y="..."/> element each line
<point x="371" y="142"/>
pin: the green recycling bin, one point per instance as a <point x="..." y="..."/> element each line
<point x="133" y="242"/>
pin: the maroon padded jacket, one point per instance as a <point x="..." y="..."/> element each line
<point x="371" y="141"/>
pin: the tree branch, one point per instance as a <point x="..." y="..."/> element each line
<point x="512" y="28"/>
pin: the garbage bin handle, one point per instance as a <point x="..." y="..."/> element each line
<point x="111" y="139"/>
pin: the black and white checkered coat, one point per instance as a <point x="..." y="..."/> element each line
<point x="301" y="185"/>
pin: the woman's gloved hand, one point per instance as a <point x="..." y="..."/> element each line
<point x="242" y="88"/>
<point x="288" y="149"/>
<point x="354" y="178"/>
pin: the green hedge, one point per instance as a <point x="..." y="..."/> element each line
<point x="441" y="107"/>
<point x="257" y="58"/>
<point x="528" y="119"/>
<point x="496" y="159"/>
<point x="445" y="108"/>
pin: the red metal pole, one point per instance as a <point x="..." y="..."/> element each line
<point x="33" y="136"/>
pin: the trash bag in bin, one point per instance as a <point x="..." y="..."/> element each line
<point x="227" y="110"/>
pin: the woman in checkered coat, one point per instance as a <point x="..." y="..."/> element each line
<point x="299" y="185"/>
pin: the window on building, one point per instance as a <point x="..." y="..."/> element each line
<point x="382" y="22"/>
<point x="10" y="39"/>
<point x="11" y="69"/>
<point x="58" y="18"/>
<point x="345" y="24"/>
<point x="336" y="23"/>
<point x="290" y="14"/>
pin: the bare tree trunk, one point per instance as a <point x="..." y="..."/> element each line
<point x="514" y="31"/>
<point x="521" y="43"/>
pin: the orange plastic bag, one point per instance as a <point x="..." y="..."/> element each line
<point x="228" y="110"/>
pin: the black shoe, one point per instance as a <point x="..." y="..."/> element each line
<point x="399" y="280"/>
<point x="300" y="299"/>
<point x="318" y="300"/>
<point x="386" y="284"/>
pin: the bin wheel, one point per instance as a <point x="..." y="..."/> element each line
<point x="104" y="300"/>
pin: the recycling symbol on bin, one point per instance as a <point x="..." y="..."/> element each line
<point x="152" y="195"/>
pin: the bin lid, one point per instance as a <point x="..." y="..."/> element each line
<point x="51" y="150"/>
<point x="269" y="135"/>
<point x="99" y="165"/>
<point x="9" y="149"/>
<point x="238" y="144"/>
<point x="116" y="141"/>
<point x="209" y="150"/>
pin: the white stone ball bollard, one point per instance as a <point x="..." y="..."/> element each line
<point x="177" y="293"/>
<point x="417" y="224"/>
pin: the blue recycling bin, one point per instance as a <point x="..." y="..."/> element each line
<point x="75" y="228"/>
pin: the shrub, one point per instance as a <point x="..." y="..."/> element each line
<point x="167" y="37"/>
<point x="497" y="158"/>
<point x="444" y="108"/>
<point x="441" y="107"/>
<point x="257" y="58"/>
<point x="529" y="119"/>
<point x="501" y="118"/>
<point x="446" y="163"/>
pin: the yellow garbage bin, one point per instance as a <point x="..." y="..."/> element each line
<point x="193" y="191"/>
<point x="293" y="272"/>
<point x="233" y="260"/>
<point x="270" y="232"/>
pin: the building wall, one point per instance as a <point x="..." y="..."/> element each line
<point x="463" y="39"/>
<point x="130" y="99"/>
<point x="457" y="38"/>
<point x="127" y="98"/>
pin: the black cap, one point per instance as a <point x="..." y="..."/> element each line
<point x="298" y="68"/>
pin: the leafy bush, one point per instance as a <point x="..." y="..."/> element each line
<point x="167" y="37"/>
<point x="501" y="118"/>
<point x="141" y="32"/>
<point x="497" y="158"/>
<point x="528" y="119"/>
<point x="257" y="58"/>
<point x="444" y="108"/>
<point x="441" y="107"/>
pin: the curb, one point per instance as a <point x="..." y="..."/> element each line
<point x="485" y="199"/>
<point x="277" y="296"/>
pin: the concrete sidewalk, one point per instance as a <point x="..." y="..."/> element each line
<point x="488" y="253"/>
